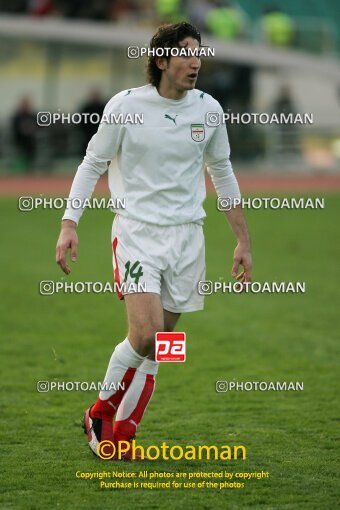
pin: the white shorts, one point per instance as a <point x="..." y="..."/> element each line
<point x="166" y="260"/>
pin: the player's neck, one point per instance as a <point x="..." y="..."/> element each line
<point x="165" y="90"/>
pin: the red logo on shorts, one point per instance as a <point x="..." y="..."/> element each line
<point x="170" y="347"/>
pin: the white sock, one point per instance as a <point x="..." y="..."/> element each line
<point x="123" y="357"/>
<point x="149" y="367"/>
<point x="131" y="397"/>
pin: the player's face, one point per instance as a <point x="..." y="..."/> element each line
<point x="180" y="73"/>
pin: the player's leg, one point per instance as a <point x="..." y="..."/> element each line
<point x="146" y="317"/>
<point x="131" y="252"/>
<point x="179" y="293"/>
<point x="119" y="375"/>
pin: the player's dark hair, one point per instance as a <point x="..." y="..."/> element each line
<point x="168" y="36"/>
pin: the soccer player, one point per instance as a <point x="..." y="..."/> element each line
<point x="158" y="238"/>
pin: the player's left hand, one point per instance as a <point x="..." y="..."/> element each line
<point x="242" y="256"/>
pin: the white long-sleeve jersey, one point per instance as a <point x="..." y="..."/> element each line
<point x="159" y="164"/>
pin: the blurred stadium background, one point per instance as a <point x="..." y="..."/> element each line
<point x="72" y="57"/>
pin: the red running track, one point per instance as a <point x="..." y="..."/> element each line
<point x="249" y="183"/>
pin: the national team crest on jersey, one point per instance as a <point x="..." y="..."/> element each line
<point x="197" y="132"/>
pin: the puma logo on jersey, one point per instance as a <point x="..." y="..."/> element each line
<point x="171" y="118"/>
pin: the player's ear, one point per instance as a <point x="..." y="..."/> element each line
<point x="161" y="63"/>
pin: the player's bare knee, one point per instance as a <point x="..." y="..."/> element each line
<point x="147" y="335"/>
<point x="146" y="345"/>
<point x="143" y="337"/>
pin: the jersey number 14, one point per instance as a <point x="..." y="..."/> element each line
<point x="135" y="271"/>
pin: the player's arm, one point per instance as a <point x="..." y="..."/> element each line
<point x="101" y="150"/>
<point x="242" y="252"/>
<point x="219" y="168"/>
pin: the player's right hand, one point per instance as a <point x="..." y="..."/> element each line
<point x="68" y="240"/>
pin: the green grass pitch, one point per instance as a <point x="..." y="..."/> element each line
<point x="247" y="337"/>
